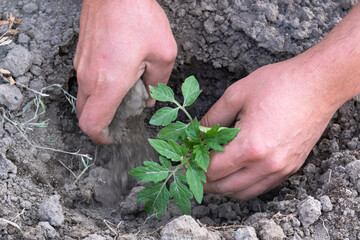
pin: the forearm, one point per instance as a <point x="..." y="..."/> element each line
<point x="335" y="61"/>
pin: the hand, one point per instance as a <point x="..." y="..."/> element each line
<point x="119" y="42"/>
<point x="281" y="110"/>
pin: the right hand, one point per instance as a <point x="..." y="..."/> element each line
<point x="119" y="42"/>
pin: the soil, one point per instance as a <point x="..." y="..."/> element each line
<point x="47" y="195"/>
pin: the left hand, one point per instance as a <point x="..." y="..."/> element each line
<point x="281" y="110"/>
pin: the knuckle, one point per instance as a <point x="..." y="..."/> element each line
<point x="275" y="165"/>
<point x="231" y="95"/>
<point x="211" y="177"/>
<point x="168" y="55"/>
<point x="85" y="126"/>
<point x="254" y="150"/>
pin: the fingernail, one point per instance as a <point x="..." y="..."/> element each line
<point x="150" y="102"/>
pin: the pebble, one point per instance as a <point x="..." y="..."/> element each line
<point x="50" y="210"/>
<point x="326" y="204"/>
<point x="6" y="167"/>
<point x="185" y="227"/>
<point x="309" y="211"/>
<point x="10" y="96"/>
<point x="18" y="61"/>
<point x="268" y="229"/>
<point x="49" y="231"/>
<point x="245" y="233"/>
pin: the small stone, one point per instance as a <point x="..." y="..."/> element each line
<point x="353" y="170"/>
<point x="94" y="237"/>
<point x="207" y="221"/>
<point x="130" y="205"/>
<point x="25" y="204"/>
<point x="36" y="70"/>
<point x="271" y="12"/>
<point x="50" y="210"/>
<point x="226" y="211"/>
<point x="30" y="8"/>
<point x="127" y="237"/>
<point x="23" y="38"/>
<point x="10" y="96"/>
<point x="334" y="131"/>
<point x="200" y="211"/>
<point x="45" y="157"/>
<point x="185" y="227"/>
<point x="245" y="233"/>
<point x="309" y="211"/>
<point x="49" y="231"/>
<point x="6" y="167"/>
<point x="269" y="230"/>
<point x="271" y="39"/>
<point x="24" y="80"/>
<point x="326" y="204"/>
<point x="18" y="61"/>
<point x="209" y="26"/>
<point x="296" y="237"/>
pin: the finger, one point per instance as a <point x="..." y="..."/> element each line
<point x="80" y="102"/>
<point x="262" y="186"/>
<point x="235" y="182"/>
<point x="226" y="110"/>
<point x="159" y="68"/>
<point x="99" y="108"/>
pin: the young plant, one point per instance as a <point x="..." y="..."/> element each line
<point x="185" y="145"/>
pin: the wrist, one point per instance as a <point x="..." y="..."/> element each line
<point x="334" y="62"/>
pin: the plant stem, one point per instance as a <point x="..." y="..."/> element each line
<point x="184" y="110"/>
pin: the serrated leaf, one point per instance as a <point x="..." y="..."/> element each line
<point x="190" y="90"/>
<point x="176" y="147"/>
<point x="173" y="131"/>
<point x="181" y="194"/>
<point x="212" y="130"/>
<point x="165" y="162"/>
<point x="157" y="197"/>
<point x="193" y="131"/>
<point x="195" y="177"/>
<point x="223" y="136"/>
<point x="164" y="116"/>
<point x="151" y="171"/>
<point x="162" y="93"/>
<point x="214" y="146"/>
<point x="165" y="149"/>
<point x="202" y="157"/>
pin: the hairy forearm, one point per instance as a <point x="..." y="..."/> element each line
<point x="336" y="60"/>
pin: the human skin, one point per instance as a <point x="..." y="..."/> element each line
<point x="282" y="110"/>
<point x="119" y="42"/>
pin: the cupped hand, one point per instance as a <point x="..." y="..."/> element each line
<point x="119" y="42"/>
<point x="281" y="110"/>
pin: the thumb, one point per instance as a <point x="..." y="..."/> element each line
<point x="226" y="110"/>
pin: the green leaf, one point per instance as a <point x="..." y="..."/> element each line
<point x="162" y="93"/>
<point x="181" y="194"/>
<point x="212" y="131"/>
<point x="214" y="145"/>
<point x="157" y="197"/>
<point x="164" y="116"/>
<point x="193" y="130"/>
<point x="224" y="135"/>
<point x="173" y="131"/>
<point x="202" y="156"/>
<point x="165" y="162"/>
<point x="177" y="148"/>
<point x="151" y="171"/>
<point x="190" y="90"/>
<point x="195" y="177"/>
<point x="165" y="149"/>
